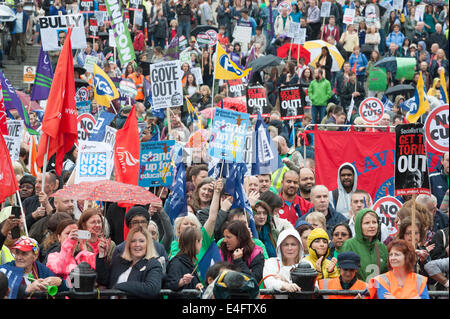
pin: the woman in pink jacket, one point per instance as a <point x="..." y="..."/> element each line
<point x="64" y="261"/>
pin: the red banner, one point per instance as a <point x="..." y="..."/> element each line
<point x="372" y="154"/>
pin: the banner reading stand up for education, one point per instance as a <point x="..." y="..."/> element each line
<point x="411" y="167"/>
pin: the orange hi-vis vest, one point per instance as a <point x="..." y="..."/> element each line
<point x="414" y="285"/>
<point x="138" y="80"/>
<point x="335" y="284"/>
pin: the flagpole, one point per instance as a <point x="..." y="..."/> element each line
<point x="44" y="167"/>
<point x="22" y="213"/>
<point x="214" y="77"/>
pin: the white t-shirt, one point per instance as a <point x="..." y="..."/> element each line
<point x="19" y="22"/>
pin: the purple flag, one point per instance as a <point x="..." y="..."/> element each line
<point x="12" y="101"/>
<point x="44" y="77"/>
<point x="172" y="49"/>
<point x="251" y="57"/>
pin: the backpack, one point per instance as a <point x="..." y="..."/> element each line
<point x="335" y="194"/>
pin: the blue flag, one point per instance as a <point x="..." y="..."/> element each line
<point x="178" y="202"/>
<point x="211" y="256"/>
<point x="98" y="133"/>
<point x="234" y="186"/>
<point x="387" y="103"/>
<point x="265" y="158"/>
<point x="14" y="275"/>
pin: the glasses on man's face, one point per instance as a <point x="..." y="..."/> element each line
<point x="139" y="222"/>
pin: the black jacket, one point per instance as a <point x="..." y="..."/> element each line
<point x="115" y="216"/>
<point x="346" y="95"/>
<point x="179" y="266"/>
<point x="30" y="205"/>
<point x="144" y="280"/>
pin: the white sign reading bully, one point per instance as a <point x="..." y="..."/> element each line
<point x="167" y="90"/>
<point x="54" y="30"/>
<point x="93" y="162"/>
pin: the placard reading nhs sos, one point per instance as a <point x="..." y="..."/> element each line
<point x="94" y="162"/>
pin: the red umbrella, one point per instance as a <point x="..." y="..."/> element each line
<point x="108" y="191"/>
<point x="234" y="103"/>
<point x="26" y="100"/>
<point x="283" y="52"/>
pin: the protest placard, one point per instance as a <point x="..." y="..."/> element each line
<point x="387" y="208"/>
<point x="111" y="38"/>
<point x="89" y="63"/>
<point x="235" y="88"/>
<point x="98" y="133"/>
<point x="229" y="130"/>
<point x="85" y="123"/>
<point x="284" y="5"/>
<point x="155" y="168"/>
<point x="349" y="15"/>
<point x="110" y="137"/>
<point x="371" y="110"/>
<point x="53" y="30"/>
<point x="242" y="33"/>
<point x="325" y="9"/>
<point x="197" y="72"/>
<point x="84" y="107"/>
<point x="86" y="6"/>
<point x="257" y="101"/>
<point x="437" y="129"/>
<point x="292" y="100"/>
<point x="29" y="73"/>
<point x="167" y="90"/>
<point x="14" y="137"/>
<point x="411" y="167"/>
<point x="93" y="163"/>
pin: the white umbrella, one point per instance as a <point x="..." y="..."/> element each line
<point x="6" y="14"/>
<point x="315" y="48"/>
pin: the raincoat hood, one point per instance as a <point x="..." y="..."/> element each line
<point x="316" y="234"/>
<point x="358" y="229"/>
<point x="283" y="235"/>
<point x="355" y="176"/>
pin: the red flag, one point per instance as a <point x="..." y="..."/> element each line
<point x="3" y="125"/>
<point x="372" y="154"/>
<point x="59" y="126"/>
<point x="127" y="151"/>
<point x="8" y="181"/>
<point x="354" y="68"/>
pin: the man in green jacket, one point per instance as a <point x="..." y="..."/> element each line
<point x="319" y="92"/>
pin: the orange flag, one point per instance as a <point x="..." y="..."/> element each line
<point x="33" y="167"/>
<point x="59" y="126"/>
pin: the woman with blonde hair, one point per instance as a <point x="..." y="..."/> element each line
<point x="137" y="271"/>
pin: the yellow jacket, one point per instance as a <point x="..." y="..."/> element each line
<point x="312" y="257"/>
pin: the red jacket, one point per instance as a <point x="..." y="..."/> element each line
<point x="298" y="208"/>
<point x="139" y="41"/>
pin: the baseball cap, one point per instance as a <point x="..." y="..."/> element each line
<point x="26" y="244"/>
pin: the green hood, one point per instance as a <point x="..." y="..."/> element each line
<point x="358" y="229"/>
<point x="367" y="250"/>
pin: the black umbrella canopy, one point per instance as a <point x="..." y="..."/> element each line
<point x="389" y="63"/>
<point x="400" y="89"/>
<point x="265" y="61"/>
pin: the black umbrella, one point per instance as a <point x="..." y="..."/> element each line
<point x="389" y="63"/>
<point x="203" y="29"/>
<point x="400" y="89"/>
<point x="264" y="61"/>
<point x="79" y="69"/>
<point x="80" y="83"/>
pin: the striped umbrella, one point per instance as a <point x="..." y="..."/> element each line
<point x="315" y="48"/>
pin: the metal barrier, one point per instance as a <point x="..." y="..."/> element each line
<point x="196" y="294"/>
